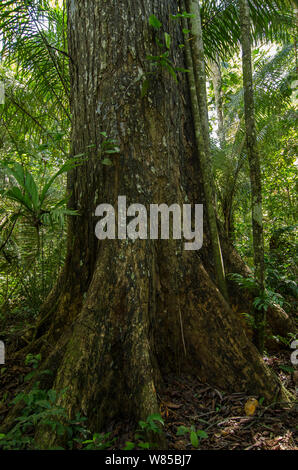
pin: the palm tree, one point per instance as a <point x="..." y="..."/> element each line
<point x="265" y="23"/>
<point x="271" y="20"/>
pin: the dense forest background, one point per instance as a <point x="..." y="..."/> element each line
<point x="37" y="152"/>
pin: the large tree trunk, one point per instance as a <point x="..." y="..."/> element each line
<point x="125" y="313"/>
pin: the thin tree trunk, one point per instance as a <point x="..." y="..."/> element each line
<point x="198" y="58"/>
<point x="254" y="163"/>
<point x="217" y="85"/>
<point x="229" y="191"/>
<point x="197" y="79"/>
<point x="295" y="29"/>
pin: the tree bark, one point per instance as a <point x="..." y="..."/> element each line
<point x="125" y="313"/>
<point x="254" y="164"/>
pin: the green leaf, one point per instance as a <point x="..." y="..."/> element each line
<point x="154" y="22"/>
<point x="113" y="150"/>
<point x="52" y="394"/>
<point x="287" y="369"/>
<point x="32" y="190"/>
<point x="182" y="70"/>
<point x="194" y="439"/>
<point x="17" y="172"/>
<point x="153" y="58"/>
<point x="44" y="404"/>
<point x="80" y="155"/>
<point x="70" y="164"/>
<point x="202" y="434"/>
<point x="144" y="445"/>
<point x="159" y="43"/>
<point x="29" y="196"/>
<point x="129" y="445"/>
<point x="168" y="40"/>
<point x="15" y="194"/>
<point x="170" y="69"/>
<point x="182" y="15"/>
<point x="107" y="162"/>
<point x="29" y="376"/>
<point x="156" y="417"/>
<point x="182" y="430"/>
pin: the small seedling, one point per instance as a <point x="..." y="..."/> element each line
<point x="195" y="435"/>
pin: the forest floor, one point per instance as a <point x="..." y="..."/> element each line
<point x="185" y="401"/>
<point x="222" y="416"/>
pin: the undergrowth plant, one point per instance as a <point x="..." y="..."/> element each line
<point x="152" y="425"/>
<point x="195" y="435"/>
<point x="162" y="60"/>
<point x="41" y="409"/>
